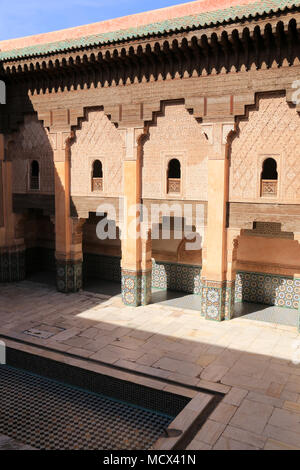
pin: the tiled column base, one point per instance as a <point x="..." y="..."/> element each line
<point x="136" y="287"/>
<point x="229" y="299"/>
<point x="12" y="264"/>
<point x="68" y="275"/>
<point x="217" y="300"/>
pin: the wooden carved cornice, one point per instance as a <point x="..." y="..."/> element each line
<point x="60" y="86"/>
<point x="241" y="46"/>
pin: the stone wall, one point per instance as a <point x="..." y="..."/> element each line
<point x="97" y="139"/>
<point x="273" y="130"/>
<point x="31" y="142"/>
<point x="176" y="134"/>
<point x="269" y="255"/>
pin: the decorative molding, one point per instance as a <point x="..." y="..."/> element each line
<point x="268" y="268"/>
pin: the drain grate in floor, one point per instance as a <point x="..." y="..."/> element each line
<point x="43" y="331"/>
<point x="47" y="414"/>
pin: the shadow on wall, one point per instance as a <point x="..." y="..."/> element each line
<point x="101" y="258"/>
<point x="40" y="243"/>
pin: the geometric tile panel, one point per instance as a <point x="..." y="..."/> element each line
<point x="68" y="275"/>
<point x="212" y="306"/>
<point x="177" y="277"/>
<point x="130" y="288"/>
<point x="268" y="289"/>
<point x="12" y="264"/>
<point x="229" y="299"/>
<point x="136" y="287"/>
<point x="146" y="287"/>
<point x="217" y="301"/>
<point x="51" y="415"/>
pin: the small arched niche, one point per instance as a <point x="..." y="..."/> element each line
<point x="34" y="179"/>
<point x="269" y="178"/>
<point x="174" y="177"/>
<point x="97" y="176"/>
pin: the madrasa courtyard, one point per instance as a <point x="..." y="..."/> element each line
<point x="150" y="232"/>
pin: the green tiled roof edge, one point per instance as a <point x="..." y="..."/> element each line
<point x="205" y="19"/>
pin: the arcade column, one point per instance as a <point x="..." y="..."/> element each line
<point x="12" y="250"/>
<point x="68" y="252"/>
<point x="217" y="287"/>
<point x="136" y="243"/>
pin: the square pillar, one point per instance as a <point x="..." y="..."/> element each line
<point x="68" y="251"/>
<point x="217" y="288"/>
<point x="68" y="275"/>
<point x="217" y="300"/>
<point x="69" y="270"/>
<point x="12" y="250"/>
<point x="136" y="287"/>
<point x="136" y="240"/>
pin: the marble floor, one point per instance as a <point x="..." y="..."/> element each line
<point x="251" y="311"/>
<point x="256" y="364"/>
<point x="7" y="443"/>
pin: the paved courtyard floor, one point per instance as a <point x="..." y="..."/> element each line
<point x="256" y="364"/>
<point x="7" y="443"/>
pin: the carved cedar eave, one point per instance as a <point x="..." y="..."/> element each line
<point x="207" y="109"/>
<point x="214" y="108"/>
<point x="188" y="34"/>
<point x="60" y="119"/>
<point x="258" y="43"/>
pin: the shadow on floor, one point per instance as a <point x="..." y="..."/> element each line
<point x="266" y="313"/>
<point x="43" y="277"/>
<point x="176" y="299"/>
<point x="100" y="286"/>
<point x="182" y="300"/>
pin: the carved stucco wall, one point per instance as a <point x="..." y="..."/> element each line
<point x="31" y="142"/>
<point x="176" y="134"/>
<point x="99" y="139"/>
<point x="271" y="131"/>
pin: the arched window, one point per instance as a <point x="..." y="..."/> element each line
<point x="97" y="176"/>
<point x="174" y="176"/>
<point x="269" y="177"/>
<point x="34" y="175"/>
